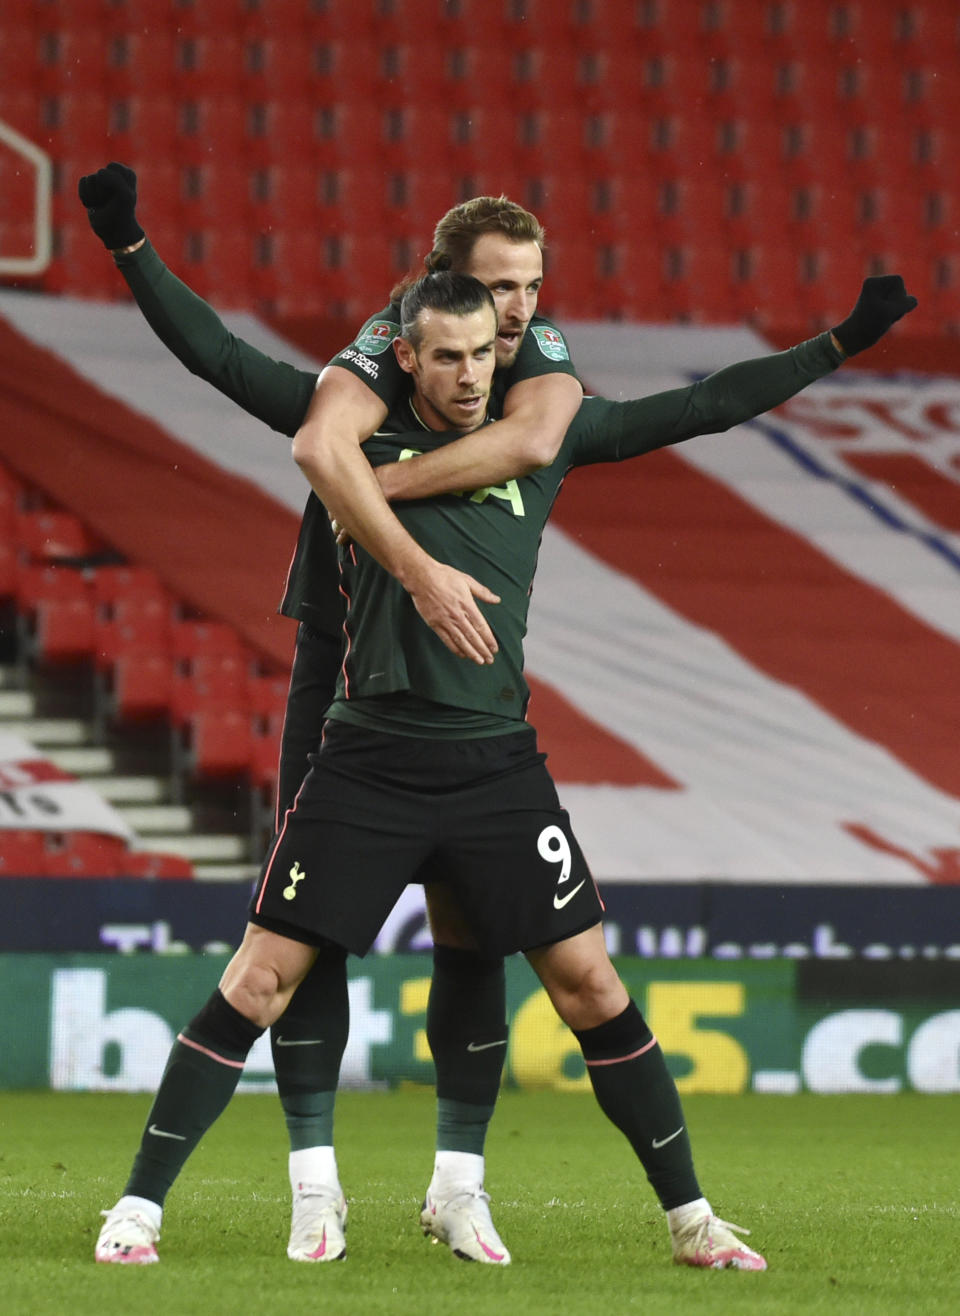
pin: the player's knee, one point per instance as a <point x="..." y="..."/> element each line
<point x="589" y="997"/>
<point x="263" y="975"/>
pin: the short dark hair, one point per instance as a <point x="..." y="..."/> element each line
<point x="456" y="294"/>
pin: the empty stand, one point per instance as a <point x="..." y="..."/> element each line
<point x="366" y="121"/>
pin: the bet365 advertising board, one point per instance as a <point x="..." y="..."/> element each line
<point x="104" y="1022"/>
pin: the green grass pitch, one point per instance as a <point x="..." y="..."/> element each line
<point x="853" y="1200"/>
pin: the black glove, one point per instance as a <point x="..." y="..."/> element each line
<point x="883" y="300"/>
<point x="110" y="196"/>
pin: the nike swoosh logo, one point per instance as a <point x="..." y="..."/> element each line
<point x="662" y="1142"/>
<point x="485" y="1046"/>
<point x="559" y="903"/>
<point x="162" y="1133"/>
<point x="300" y="1041"/>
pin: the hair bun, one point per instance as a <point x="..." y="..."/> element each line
<point x="436" y="261"/>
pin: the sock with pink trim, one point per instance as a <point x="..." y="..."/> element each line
<point x="637" y="1093"/>
<point x="202" y="1071"/>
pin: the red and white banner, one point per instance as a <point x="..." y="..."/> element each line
<point x="36" y="796"/>
<point x="744" y="651"/>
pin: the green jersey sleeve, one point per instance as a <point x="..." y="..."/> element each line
<point x="612" y="431"/>
<point x="371" y="357"/>
<point x="273" y="391"/>
<point x="543" y="351"/>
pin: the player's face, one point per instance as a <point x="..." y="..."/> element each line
<point x="452" y="368"/>
<point x="513" y="271"/>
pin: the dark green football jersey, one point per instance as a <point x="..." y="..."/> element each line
<point x="543" y="351"/>
<point x="279" y="394"/>
<point x="494" y="535"/>
<point x="396" y="671"/>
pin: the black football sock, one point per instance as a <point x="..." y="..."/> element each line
<point x="201" y="1075"/>
<point x="467" y="1033"/>
<point x="308" y="1041"/>
<point x="637" y="1093"/>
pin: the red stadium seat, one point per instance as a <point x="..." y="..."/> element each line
<point x="57" y="607"/>
<point x="154" y="133"/>
<point x="156" y="864"/>
<point x="267" y="700"/>
<point x="223" y="198"/>
<point x="50" y="535"/>
<point x="430" y="194"/>
<point x="934" y="32"/>
<point x="264" y="772"/>
<point x="22" y="853"/>
<point x="293" y="201"/>
<point x="219" y="743"/>
<point x="210" y="682"/>
<point x="193" y="640"/>
<point x="12" y="493"/>
<point x="86" y="854"/>
<point x="134" y="614"/>
<point x="140" y="685"/>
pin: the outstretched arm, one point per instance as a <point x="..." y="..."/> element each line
<point x="610" y="431"/>
<point x="537" y="411"/>
<point x="536" y="415"/>
<point x="342" y="412"/>
<point x="273" y="391"/>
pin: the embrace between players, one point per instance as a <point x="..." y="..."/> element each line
<point x="406" y="754"/>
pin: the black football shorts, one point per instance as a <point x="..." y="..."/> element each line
<point x="377" y="811"/>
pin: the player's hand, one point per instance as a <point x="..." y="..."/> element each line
<point x="882" y="302"/>
<point x="110" y="196"/>
<point x="341" y="536"/>
<point x="446" y="600"/>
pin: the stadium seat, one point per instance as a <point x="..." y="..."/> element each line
<point x="138" y="686"/>
<point x="223" y="199"/>
<point x="8" y="567"/>
<point x="154" y="133"/>
<point x="12" y="493"/>
<point x="56" y="613"/>
<point x="23" y="853"/>
<point x="935" y="32"/>
<point x="292" y="201"/>
<point x="50" y="535"/>
<point x="18" y="56"/>
<point x="427" y="65"/>
<point x="194" y="640"/>
<point x="86" y="854"/>
<point x="264" y="768"/>
<point x="267" y="700"/>
<point x="430" y="194"/>
<point x="155" y="864"/>
<point x="134" y="613"/>
<point x="209" y="681"/>
<point x="219" y="743"/>
<point x="208" y="119"/>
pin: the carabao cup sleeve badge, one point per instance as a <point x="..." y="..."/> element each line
<point x="376" y="337"/>
<point x="550" y="342"/>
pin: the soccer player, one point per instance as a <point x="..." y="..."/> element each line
<point x="427" y="760"/>
<point x="502" y="244"/>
